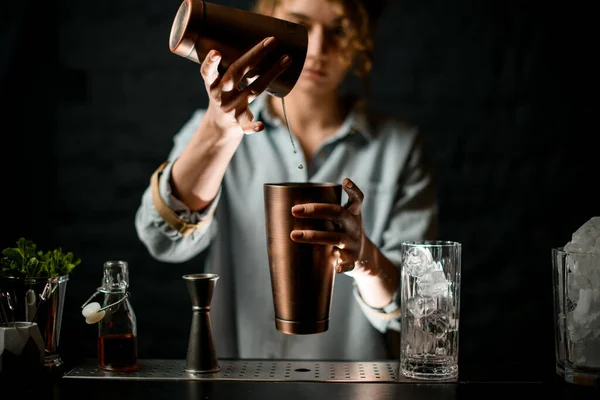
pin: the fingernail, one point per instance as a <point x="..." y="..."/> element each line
<point x="214" y="56"/>
<point x="257" y="128"/>
<point x="348" y="183"/>
<point x="342" y="269"/>
<point x="297" y="235"/>
<point x="285" y="61"/>
<point x="269" y="41"/>
<point x="299" y="209"/>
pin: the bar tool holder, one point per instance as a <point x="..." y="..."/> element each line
<point x="201" y="356"/>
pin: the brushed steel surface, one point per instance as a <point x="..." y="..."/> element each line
<point x="251" y="370"/>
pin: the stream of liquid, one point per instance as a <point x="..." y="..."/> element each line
<point x="287" y="123"/>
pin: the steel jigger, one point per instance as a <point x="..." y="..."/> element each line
<point x="201" y="356"/>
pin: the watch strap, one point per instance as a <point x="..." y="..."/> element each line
<point x="167" y="214"/>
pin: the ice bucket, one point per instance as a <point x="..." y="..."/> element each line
<point x="576" y="284"/>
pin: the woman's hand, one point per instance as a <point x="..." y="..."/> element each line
<point x="228" y="102"/>
<point x="354" y="254"/>
<point x="353" y="251"/>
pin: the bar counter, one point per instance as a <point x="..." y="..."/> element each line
<point x="291" y="380"/>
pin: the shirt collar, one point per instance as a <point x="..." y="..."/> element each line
<point x="356" y="121"/>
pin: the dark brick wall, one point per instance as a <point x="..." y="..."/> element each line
<point x="93" y="96"/>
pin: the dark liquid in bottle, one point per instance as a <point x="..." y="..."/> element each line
<point x="117" y="352"/>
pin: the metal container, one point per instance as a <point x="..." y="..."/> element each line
<point x="201" y="355"/>
<point x="302" y="275"/>
<point x="200" y="27"/>
<point x="41" y="299"/>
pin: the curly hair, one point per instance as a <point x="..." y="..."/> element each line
<point x="358" y="22"/>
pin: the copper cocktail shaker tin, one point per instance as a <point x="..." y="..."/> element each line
<point x="302" y="275"/>
<point x="200" y="26"/>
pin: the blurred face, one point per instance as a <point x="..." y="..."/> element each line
<point x="325" y="67"/>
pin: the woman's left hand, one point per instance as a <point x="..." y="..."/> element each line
<point x="352" y="249"/>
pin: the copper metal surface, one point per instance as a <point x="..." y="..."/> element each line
<point x="302" y="275"/>
<point x="199" y="27"/>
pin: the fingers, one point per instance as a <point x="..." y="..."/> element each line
<point x="263" y="81"/>
<point x="209" y="69"/>
<point x="224" y="88"/>
<point x="337" y="239"/>
<point x="246" y="122"/>
<point x="250" y="77"/>
<point x="242" y="65"/>
<point x="333" y="211"/>
<point x="355" y="197"/>
<point x="344" y="267"/>
<point x="319" y="211"/>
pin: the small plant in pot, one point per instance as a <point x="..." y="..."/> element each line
<point x="35" y="282"/>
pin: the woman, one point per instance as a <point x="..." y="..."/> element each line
<point x="223" y="155"/>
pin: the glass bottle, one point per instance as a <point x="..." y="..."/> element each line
<point x="117" y="331"/>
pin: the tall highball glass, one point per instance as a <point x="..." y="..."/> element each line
<point x="430" y="304"/>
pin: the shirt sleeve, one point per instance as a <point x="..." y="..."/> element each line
<point x="162" y="241"/>
<point x="413" y="217"/>
<point x="382" y="319"/>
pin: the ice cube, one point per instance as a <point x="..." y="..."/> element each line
<point x="433" y="283"/>
<point x="417" y="261"/>
<point x="436" y="323"/>
<point x="580" y="268"/>
<point x="419" y="342"/>
<point x="583" y="323"/>
<point x="441" y="351"/>
<point x="586" y="353"/>
<point x="420" y="306"/>
<point x="583" y="305"/>
<point x="586" y="239"/>
<point x="583" y="275"/>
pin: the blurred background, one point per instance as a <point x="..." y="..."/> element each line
<point x="504" y="92"/>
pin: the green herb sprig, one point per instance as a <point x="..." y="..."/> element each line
<point x="25" y="260"/>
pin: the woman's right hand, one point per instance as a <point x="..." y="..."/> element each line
<point x="228" y="103"/>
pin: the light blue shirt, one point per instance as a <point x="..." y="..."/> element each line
<point x="382" y="155"/>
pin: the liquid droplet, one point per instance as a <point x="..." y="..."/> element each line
<point x="300" y="166"/>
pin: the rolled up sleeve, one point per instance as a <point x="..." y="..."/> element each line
<point x="163" y="242"/>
